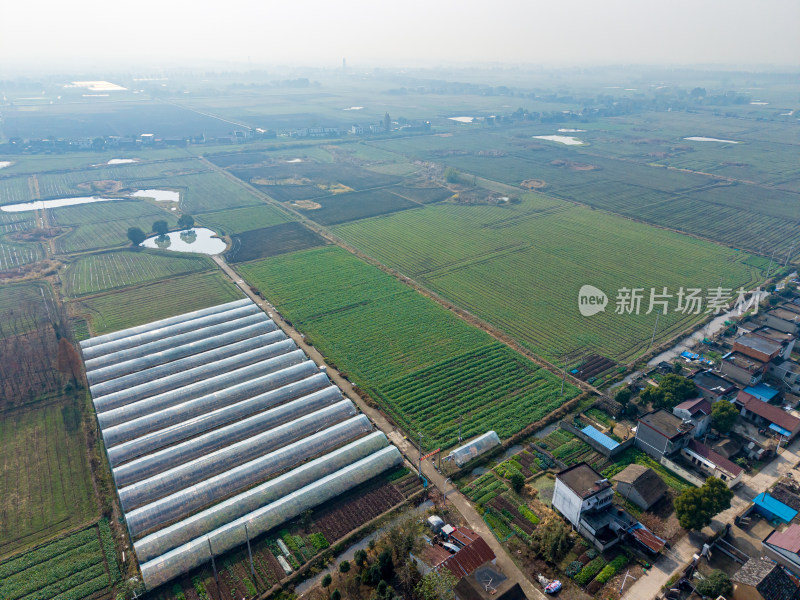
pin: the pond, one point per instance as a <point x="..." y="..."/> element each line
<point x="4" y="164"/>
<point x="561" y="139"/>
<point x="55" y="203"/>
<point x="462" y="119"/>
<point x="708" y="139"/>
<point x="203" y="241"/>
<point x="355" y="108"/>
<point x="571" y="130"/>
<point x="158" y="195"/>
<point x="121" y="161"/>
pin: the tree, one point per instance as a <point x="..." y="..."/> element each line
<point x="696" y="507"/>
<point x="336" y="595"/>
<point x="623" y="395"/>
<point x="160" y="227"/>
<point x="723" y="416"/>
<point x="344" y="566"/>
<point x="360" y="558"/>
<point x="517" y="480"/>
<point x="186" y="222"/>
<point x="436" y="585"/>
<point x="716" y="584"/>
<point x="671" y="391"/>
<point x="451" y="175"/>
<point x="550" y="540"/>
<point x="326" y="580"/>
<point x="136" y="235"/>
<point x="387" y="122"/>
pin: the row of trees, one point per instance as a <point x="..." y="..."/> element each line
<point x="160" y="227"/>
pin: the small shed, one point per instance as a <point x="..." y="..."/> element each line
<point x="641" y="485"/>
<point x="772" y="508"/>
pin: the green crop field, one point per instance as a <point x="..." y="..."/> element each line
<point x="394" y="342"/>
<point x="23" y="306"/>
<point x="340" y="208"/>
<point x="14" y="255"/>
<point x="623" y="171"/>
<point x="105" y="224"/>
<point x="108" y="270"/>
<point x="243" y="219"/>
<point x="45" y="485"/>
<point x="125" y="308"/>
<point x="204" y="191"/>
<point x="16" y="221"/>
<point x="520" y="267"/>
<point x="271" y="241"/>
<point x="72" y="568"/>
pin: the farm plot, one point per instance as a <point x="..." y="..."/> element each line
<point x="493" y="387"/>
<point x="45" y="486"/>
<point x="72" y="568"/>
<point x="108" y="270"/>
<point x="105" y="224"/>
<point x="117" y="310"/>
<point x="14" y="255"/>
<point x="271" y="241"/>
<point x="202" y="192"/>
<point x="341" y="208"/>
<point x="279" y="179"/>
<point x="394" y="342"/>
<point x="23" y="306"/>
<point x="507" y="265"/>
<point x="14" y="190"/>
<point x="243" y="219"/>
<point x="423" y="195"/>
<point x="19" y="221"/>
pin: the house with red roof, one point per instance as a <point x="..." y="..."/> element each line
<point x="768" y="416"/>
<point x="712" y="464"/>
<point x="784" y="547"/>
<point x="698" y="412"/>
<point x="472" y="552"/>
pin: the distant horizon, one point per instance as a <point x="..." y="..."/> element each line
<point x="311" y="33"/>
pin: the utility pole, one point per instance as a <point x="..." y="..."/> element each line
<point x="769" y="268"/>
<point x="460" y="420"/>
<point x="213" y="564"/>
<point x="249" y="552"/>
<point x="652" y="339"/>
<point x="420" y="455"/>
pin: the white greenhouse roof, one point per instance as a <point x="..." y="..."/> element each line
<point x="215" y="419"/>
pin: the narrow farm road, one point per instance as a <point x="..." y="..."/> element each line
<point x="395" y="436"/>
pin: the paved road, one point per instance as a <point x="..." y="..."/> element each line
<point x="463" y="505"/>
<point x="648" y="586"/>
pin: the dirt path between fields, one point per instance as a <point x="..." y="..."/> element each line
<point x="393" y="433"/>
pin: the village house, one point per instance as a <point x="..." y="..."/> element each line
<point x="743" y="369"/>
<point x="768" y="416"/>
<point x="762" y="580"/>
<point x="698" y="412"/>
<point x="783" y="319"/>
<point x="660" y="433"/>
<point x="786" y="340"/>
<point x="713" y="387"/>
<point x="784" y="547"/>
<point x="758" y="347"/>
<point x="712" y="464"/>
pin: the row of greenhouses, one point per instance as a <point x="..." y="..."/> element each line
<point x="215" y="420"/>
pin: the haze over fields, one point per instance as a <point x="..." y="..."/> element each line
<point x="44" y="33"/>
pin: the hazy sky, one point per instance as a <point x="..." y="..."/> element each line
<point x="733" y="32"/>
